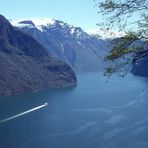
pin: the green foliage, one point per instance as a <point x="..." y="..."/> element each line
<point x="121" y="13"/>
<point x="122" y="54"/>
<point x="121" y="47"/>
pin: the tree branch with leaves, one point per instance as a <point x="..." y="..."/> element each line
<point x="130" y="16"/>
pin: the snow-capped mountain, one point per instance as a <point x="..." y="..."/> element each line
<point x="26" y="66"/>
<point x="42" y="24"/>
<point x="82" y="51"/>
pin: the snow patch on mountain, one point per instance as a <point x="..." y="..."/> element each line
<point x="36" y="22"/>
<point x="106" y="34"/>
<point x="72" y="30"/>
<point x="43" y="23"/>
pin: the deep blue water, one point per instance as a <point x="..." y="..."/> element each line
<point x="95" y="114"/>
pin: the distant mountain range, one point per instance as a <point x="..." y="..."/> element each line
<point x="26" y="66"/>
<point x="82" y="51"/>
<point x="105" y="34"/>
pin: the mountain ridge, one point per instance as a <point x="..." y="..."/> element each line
<point x="73" y="45"/>
<point x="27" y="66"/>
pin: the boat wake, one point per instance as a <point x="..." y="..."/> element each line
<point x="23" y="113"/>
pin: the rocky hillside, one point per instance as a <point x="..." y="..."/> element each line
<point x="26" y="66"/>
<point x="140" y="64"/>
<point x="140" y="67"/>
<point x="83" y="52"/>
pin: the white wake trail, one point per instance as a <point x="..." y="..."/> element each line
<point x="23" y="113"/>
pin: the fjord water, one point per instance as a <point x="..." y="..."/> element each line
<point x="95" y="114"/>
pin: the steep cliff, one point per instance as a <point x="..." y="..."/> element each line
<point x="25" y="66"/>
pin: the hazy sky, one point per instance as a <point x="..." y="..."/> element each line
<point x="76" y="12"/>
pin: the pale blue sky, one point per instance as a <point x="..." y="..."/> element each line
<point x="76" y="12"/>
